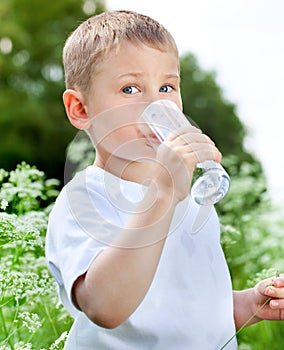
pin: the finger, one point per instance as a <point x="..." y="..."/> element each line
<point x="276" y="304"/>
<point x="190" y="139"/>
<point x="197" y="138"/>
<point x="202" y="153"/>
<point x="278" y="282"/>
<point x="184" y="131"/>
<point x="262" y="285"/>
<point x="275" y="292"/>
<point x="274" y="311"/>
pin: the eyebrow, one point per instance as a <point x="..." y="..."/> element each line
<point x="130" y="74"/>
<point x="138" y="74"/>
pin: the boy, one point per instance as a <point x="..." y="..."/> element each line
<point x="131" y="270"/>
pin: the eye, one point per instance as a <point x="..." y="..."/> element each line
<point x="130" y="90"/>
<point x="166" y="88"/>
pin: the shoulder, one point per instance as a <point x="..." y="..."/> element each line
<point x="78" y="189"/>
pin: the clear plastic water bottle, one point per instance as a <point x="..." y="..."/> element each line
<point x="163" y="117"/>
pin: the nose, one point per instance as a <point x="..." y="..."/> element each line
<point x="152" y="94"/>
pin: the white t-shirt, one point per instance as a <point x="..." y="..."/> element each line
<point x="189" y="304"/>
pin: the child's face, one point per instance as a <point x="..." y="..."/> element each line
<point x="134" y="74"/>
<point x="124" y="84"/>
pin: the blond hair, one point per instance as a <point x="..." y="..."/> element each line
<point x="96" y="37"/>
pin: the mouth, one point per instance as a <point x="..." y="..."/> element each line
<point x="153" y="138"/>
<point x="152" y="141"/>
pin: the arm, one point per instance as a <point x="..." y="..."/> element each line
<point x="119" y="278"/>
<point x="266" y="298"/>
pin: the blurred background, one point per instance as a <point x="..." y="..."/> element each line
<point x="231" y="55"/>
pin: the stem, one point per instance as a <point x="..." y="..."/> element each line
<point x="16" y="330"/>
<point x="246" y="323"/>
<point x="3" y="322"/>
<point x="5" y="329"/>
<point x="50" y="321"/>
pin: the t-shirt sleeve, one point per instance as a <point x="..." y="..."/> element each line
<point x="79" y="230"/>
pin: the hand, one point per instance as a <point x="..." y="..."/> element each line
<point x="178" y="156"/>
<point x="270" y="290"/>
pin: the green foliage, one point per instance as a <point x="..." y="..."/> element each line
<point x="31" y="316"/>
<point x="252" y="226"/>
<point x="204" y="103"/>
<point x="252" y="235"/>
<point x="33" y="125"/>
<point x="80" y="154"/>
<point x="26" y="189"/>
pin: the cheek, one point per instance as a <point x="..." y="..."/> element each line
<point x="113" y="136"/>
<point x="116" y="131"/>
<point x="127" y="143"/>
<point x="124" y="136"/>
<point x="127" y="133"/>
<point x="97" y="108"/>
<point x="179" y="102"/>
<point x="119" y="124"/>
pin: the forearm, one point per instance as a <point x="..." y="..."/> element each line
<point x="120" y="277"/>
<point x="244" y="308"/>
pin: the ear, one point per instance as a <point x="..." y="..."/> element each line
<point x="75" y="109"/>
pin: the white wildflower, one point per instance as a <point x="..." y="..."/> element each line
<point x="23" y="346"/>
<point x="59" y="341"/>
<point x="4" y="204"/>
<point x="30" y="320"/>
